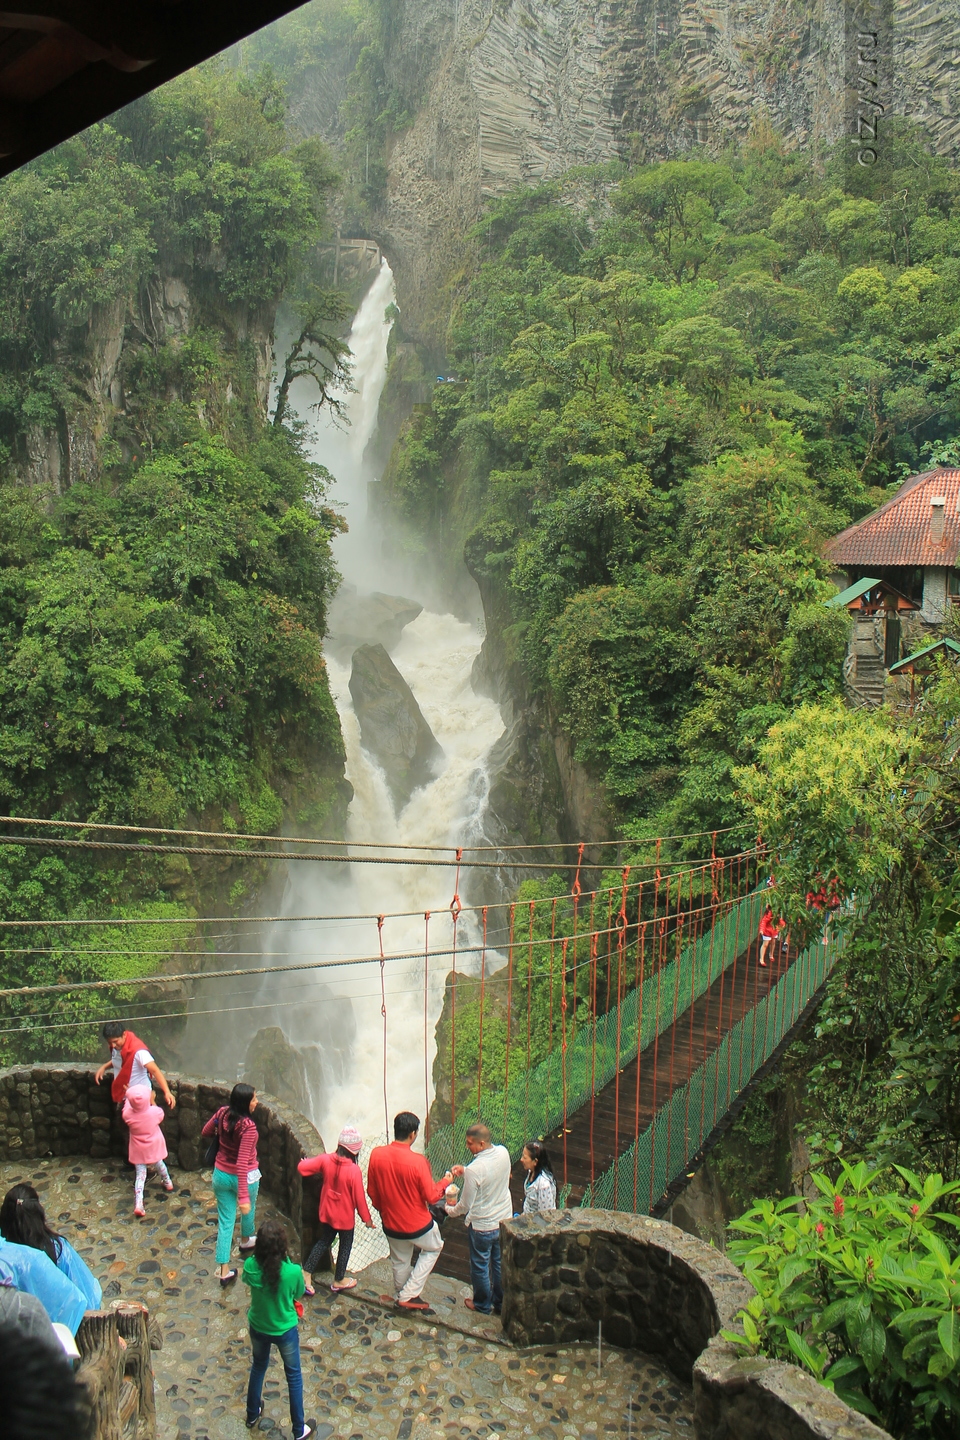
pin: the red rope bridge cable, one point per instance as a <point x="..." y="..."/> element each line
<point x="455" y="908"/>
<point x="426" y="1024"/>
<point x="383" y="1012"/>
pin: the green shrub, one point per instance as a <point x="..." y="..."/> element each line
<point x="861" y="1287"/>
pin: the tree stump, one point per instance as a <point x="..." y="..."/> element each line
<point x="133" y="1326"/>
<point x="101" y="1371"/>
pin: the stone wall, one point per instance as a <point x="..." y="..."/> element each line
<point x="59" y="1110"/>
<point x="649" y="1286"/>
<point x="564" y="1276"/>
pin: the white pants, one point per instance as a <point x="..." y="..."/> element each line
<point x="409" y="1279"/>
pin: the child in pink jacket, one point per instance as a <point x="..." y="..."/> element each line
<point x="147" y="1145"/>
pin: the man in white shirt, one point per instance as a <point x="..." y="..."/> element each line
<point x="484" y="1202"/>
<point x="132" y="1064"/>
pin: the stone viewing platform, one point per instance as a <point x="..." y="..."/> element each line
<point x="371" y="1372"/>
<point x="367" y="1371"/>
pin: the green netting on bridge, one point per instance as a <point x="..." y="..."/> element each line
<point x="538" y="1099"/>
<point x="639" y="1177"/>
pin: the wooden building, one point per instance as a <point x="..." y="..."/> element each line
<point x="922" y="664"/>
<point x="901" y="568"/>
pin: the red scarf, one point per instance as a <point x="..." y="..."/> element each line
<point x="131" y="1044"/>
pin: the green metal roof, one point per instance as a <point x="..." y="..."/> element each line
<point x="852" y="592"/>
<point x="945" y="644"/>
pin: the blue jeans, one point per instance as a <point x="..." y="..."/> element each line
<point x="225" y="1189"/>
<point x="485" y="1269"/>
<point x="289" y="1347"/>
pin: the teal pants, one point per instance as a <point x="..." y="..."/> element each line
<point x="225" y="1189"/>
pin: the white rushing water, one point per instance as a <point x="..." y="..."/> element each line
<point x="334" y="1018"/>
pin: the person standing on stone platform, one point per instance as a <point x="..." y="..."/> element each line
<point x="539" y="1185"/>
<point x="276" y="1285"/>
<point x="132" y="1064"/>
<point x="23" y="1221"/>
<point x="236" y="1174"/>
<point x="485" y="1201"/>
<point x="401" y="1186"/>
<point x="147" y="1146"/>
<point x="341" y="1200"/>
<point x="33" y="1271"/>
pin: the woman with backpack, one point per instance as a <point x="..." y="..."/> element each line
<point x="341" y="1199"/>
<point x="276" y="1284"/>
<point x="236" y="1175"/>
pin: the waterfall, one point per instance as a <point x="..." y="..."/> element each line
<point x="334" y="1018"/>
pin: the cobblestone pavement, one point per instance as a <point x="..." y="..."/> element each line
<point x="369" y="1373"/>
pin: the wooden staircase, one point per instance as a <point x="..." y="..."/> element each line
<point x="866" y="685"/>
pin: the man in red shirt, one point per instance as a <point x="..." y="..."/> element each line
<point x="401" y="1186"/>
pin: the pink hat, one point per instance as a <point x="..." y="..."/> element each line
<point x="350" y="1139"/>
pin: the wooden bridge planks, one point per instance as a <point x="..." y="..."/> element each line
<point x="664" y="1066"/>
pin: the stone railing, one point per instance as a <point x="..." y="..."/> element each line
<point x="60" y="1110"/>
<point x="116" y="1372"/>
<point x="645" y="1285"/>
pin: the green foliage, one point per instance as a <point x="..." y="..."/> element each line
<point x="861" y="1286"/>
<point x="856" y="796"/>
<point x="162" y="608"/>
<point x="136" y="673"/>
<point x="682" y="379"/>
<point x="198" y="180"/>
<point x="825" y="797"/>
<point x="812" y="651"/>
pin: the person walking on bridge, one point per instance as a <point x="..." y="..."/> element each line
<point x="401" y="1186"/>
<point x="769" y="930"/>
<point x="484" y="1202"/>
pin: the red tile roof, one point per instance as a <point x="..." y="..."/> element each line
<point x="899" y="532"/>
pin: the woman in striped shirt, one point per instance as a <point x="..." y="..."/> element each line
<point x="236" y="1175"/>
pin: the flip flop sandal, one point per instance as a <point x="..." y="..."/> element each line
<point x="337" y="1286"/>
<point x="309" y="1291"/>
<point x="229" y="1278"/>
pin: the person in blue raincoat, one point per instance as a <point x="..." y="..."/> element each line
<point x="24" y="1222"/>
<point x="33" y="1271"/>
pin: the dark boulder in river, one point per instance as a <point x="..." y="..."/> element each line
<point x="391" y="725"/>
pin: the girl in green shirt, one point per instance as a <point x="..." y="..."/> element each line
<point x="276" y="1283"/>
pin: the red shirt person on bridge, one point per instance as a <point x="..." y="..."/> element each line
<point x="769" y="930"/>
<point x="401" y="1186"/>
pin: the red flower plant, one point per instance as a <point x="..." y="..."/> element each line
<point x="838" y="1205"/>
<point x="819" y="1227"/>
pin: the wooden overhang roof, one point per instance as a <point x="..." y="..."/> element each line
<point x="910" y="666"/>
<point x="67" y="63"/>
<point x="906" y="531"/>
<point x="870" y="594"/>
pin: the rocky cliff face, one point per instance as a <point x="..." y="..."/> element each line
<point x="103" y="355"/>
<point x="518" y="91"/>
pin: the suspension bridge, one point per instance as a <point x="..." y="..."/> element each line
<point x="616" y="1009"/>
